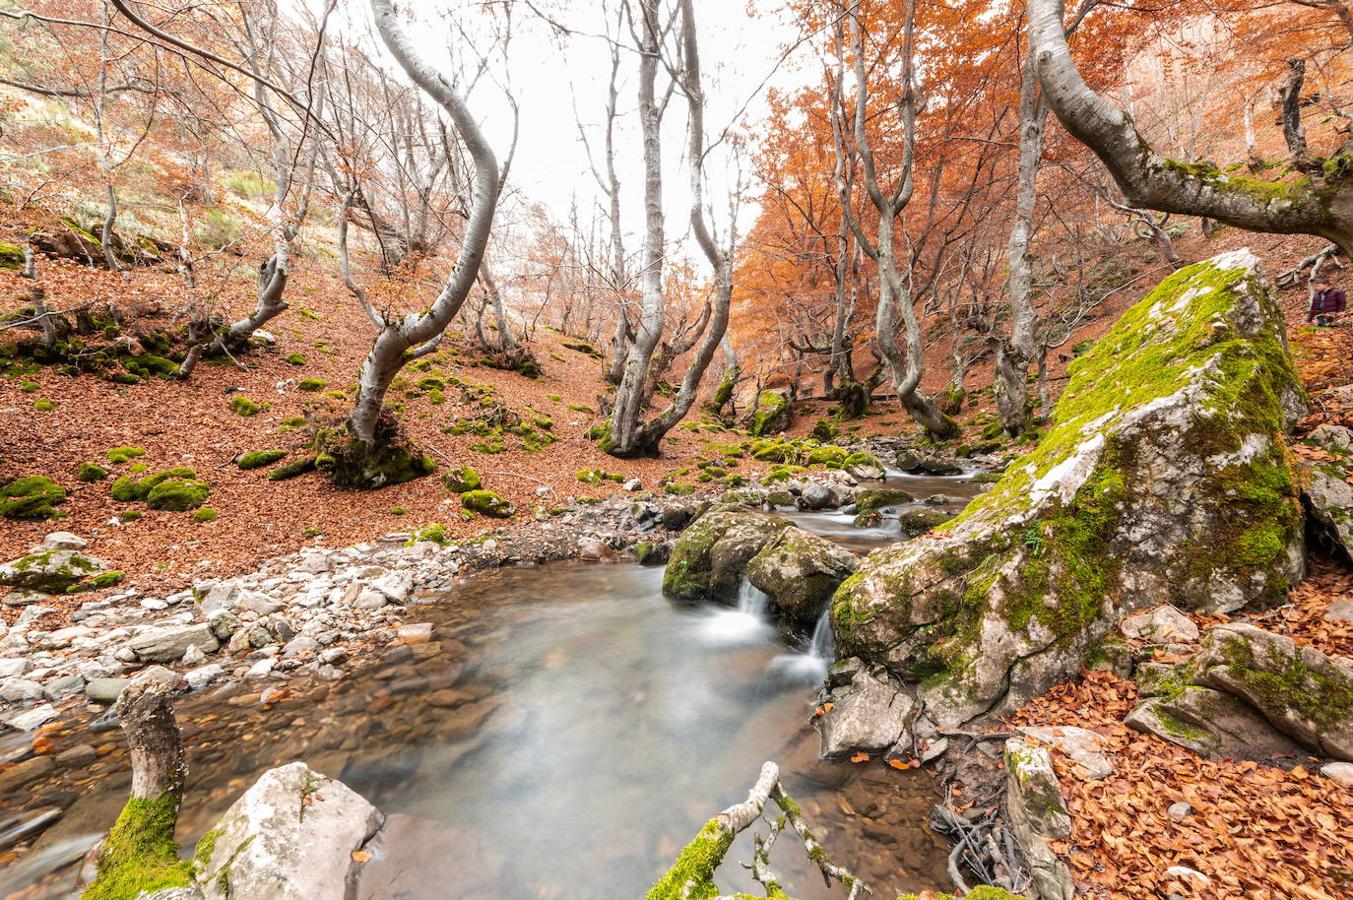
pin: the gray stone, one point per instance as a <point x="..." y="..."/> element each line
<point x="710" y="558"/>
<point x="24" y="773"/>
<point x="370" y="598"/>
<point x="1330" y="501"/>
<point x="202" y="676"/>
<point x="1211" y="723"/>
<point x="871" y="716"/>
<point x="800" y="571"/>
<point x="49" y="571"/>
<point x="301" y="645"/>
<point x="1314" y="704"/>
<point x="292" y="836"/>
<point x="817" y="496"/>
<point x="220" y="596"/>
<point x="33" y="718"/>
<point x="1037" y="813"/>
<point x="257" y="602"/>
<point x="56" y="688"/>
<point x="1162" y="625"/>
<point x="20" y="690"/>
<point x="1340" y="611"/>
<point x="1341" y="772"/>
<point x="1337" y="439"/>
<point x="13" y="668"/>
<point x="76" y="757"/>
<point x="105" y="690"/>
<point x="1179" y="811"/>
<point x="1085" y="748"/>
<point x="167" y="645"/>
<point x="224" y="623"/>
<point x="63" y="540"/>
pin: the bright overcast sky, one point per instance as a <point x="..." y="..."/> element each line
<point x="549" y="74"/>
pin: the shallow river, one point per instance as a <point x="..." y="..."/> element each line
<point x="573" y="732"/>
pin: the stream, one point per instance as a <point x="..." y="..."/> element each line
<point x="566" y="735"/>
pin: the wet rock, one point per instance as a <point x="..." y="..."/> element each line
<point x="913" y="522"/>
<point x="24" y="773"/>
<point x="1037" y="813"/>
<point x="710" y="557"/>
<point x="224" y="623"/>
<point x="26" y="824"/>
<point x="58" y="687"/>
<point x="301" y="645"/>
<point x="800" y="571"/>
<point x="1330" y="501"/>
<point x="816" y="495"/>
<point x="294" y="835"/>
<point x="32" y="719"/>
<point x="871" y="715"/>
<point x="13" y="668"/>
<point x="1211" y="723"/>
<point x="1301" y="691"/>
<point x="1115" y="510"/>
<point x="934" y="465"/>
<point x="1162" y="625"/>
<point x="167" y="645"/>
<point x="415" y="633"/>
<point x="77" y="757"/>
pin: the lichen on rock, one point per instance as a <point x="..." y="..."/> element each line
<point x="1163" y="478"/>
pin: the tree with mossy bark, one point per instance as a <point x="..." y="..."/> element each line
<point x="1318" y="200"/>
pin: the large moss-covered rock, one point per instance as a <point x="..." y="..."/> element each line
<point x="52" y="571"/>
<point x="710" y="558"/>
<point x="774" y="414"/>
<point x="1163" y="478"/>
<point x="800" y="571"/>
<point x="30" y="497"/>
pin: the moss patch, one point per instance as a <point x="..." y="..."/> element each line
<point x="256" y="459"/>
<point x="486" y="503"/>
<point x="140" y="854"/>
<point x="31" y="497"/>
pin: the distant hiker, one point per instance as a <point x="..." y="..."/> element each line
<point x="1327" y="302"/>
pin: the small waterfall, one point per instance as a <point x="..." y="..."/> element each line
<point x="823" y="645"/>
<point x="752" y="600"/>
<point x="744" y="624"/>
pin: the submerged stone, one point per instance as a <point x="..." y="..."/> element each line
<point x="1163" y="478"/>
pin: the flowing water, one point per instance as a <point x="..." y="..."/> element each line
<point x="572" y="732"/>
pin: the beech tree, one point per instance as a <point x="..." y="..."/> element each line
<point x="1317" y="202"/>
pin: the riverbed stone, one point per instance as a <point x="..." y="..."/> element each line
<point x="294" y="835"/>
<point x="25" y="773"/>
<point x="1163" y="478"/>
<point x="870" y="715"/>
<point x="1083" y="747"/>
<point x="63" y="540"/>
<point x="49" y="571"/>
<point x="800" y="571"/>
<point x="1304" y="693"/>
<point x="167" y="645"/>
<point x="105" y="690"/>
<point x="710" y="558"/>
<point x="1329" y="498"/>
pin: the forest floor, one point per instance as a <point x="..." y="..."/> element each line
<point x="1256" y="830"/>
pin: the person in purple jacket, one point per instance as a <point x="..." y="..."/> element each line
<point x="1327" y="302"/>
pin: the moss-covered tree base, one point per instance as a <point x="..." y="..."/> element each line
<point x="392" y="458"/>
<point x="140" y="854"/>
<point x="1163" y="478"/>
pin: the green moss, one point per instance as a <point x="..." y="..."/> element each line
<point x="486" y="503"/>
<point x="42" y="404"/>
<point x="205" y="514"/>
<point x="692" y="874"/>
<point x="29" y="387"/>
<point x="257" y="459"/>
<point x="11" y="256"/>
<point x="178" y="494"/>
<point x="245" y="407"/>
<point x="1291" y="684"/>
<point x="97" y="582"/>
<point x="127" y="489"/>
<point x="120" y="455"/>
<point x="89" y="472"/>
<point x="871" y="500"/>
<point x="150" y="365"/>
<point x="140" y="854"/>
<point x="772" y="414"/>
<point x="462" y="479"/>
<point x="433" y="531"/>
<point x="598" y="476"/>
<point x="391" y="459"/>
<point x="295" y="359"/>
<point x="31" y="497"/>
<point x="312" y="384"/>
<point x="292" y="469"/>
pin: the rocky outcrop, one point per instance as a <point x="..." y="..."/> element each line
<point x="1302" y="692"/>
<point x="1329" y="500"/>
<point x="1037" y="813"/>
<point x="1210" y="723"/>
<point x="710" y="558"/>
<point x="294" y="835"/>
<point x="800" y="571"/>
<point x="1162" y="479"/>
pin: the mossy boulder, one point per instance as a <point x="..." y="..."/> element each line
<point x="178" y="494"/>
<point x="881" y="498"/>
<point x="462" y="479"/>
<point x="774" y="414"/>
<point x="392" y="458"/>
<point x="49" y="571"/>
<point x="293" y="469"/>
<point x="31" y="497"/>
<point x="127" y="488"/>
<point x="89" y="472"/>
<point x="1163" y="478"/>
<point x="864" y="466"/>
<point x="487" y="503"/>
<point x="119" y="455"/>
<point x="800" y="571"/>
<point x="257" y="459"/>
<point x="710" y="558"/>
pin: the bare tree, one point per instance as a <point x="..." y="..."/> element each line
<point x="894" y="294"/>
<point x="1316" y="204"/>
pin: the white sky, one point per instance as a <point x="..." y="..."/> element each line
<point x="549" y="74"/>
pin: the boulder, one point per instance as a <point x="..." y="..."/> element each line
<point x="294" y="835"/>
<point x="1336" y="439"/>
<point x="1163" y="478"/>
<point x="1037" y="813"/>
<point x="800" y="571"/>
<point x="1299" y="690"/>
<point x="1329" y="499"/>
<point x="816" y="495"/>
<point x="167" y="645"/>
<point x="1211" y="723"/>
<point x="63" y="540"/>
<point x="49" y="571"/>
<point x="774" y="414"/>
<point x="709" y="559"/>
<point x="1162" y="625"/>
<point x="1083" y="747"/>
<point x="870" y="715"/>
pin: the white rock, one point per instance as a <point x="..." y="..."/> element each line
<point x="12" y="668"/>
<point x="33" y="718"/>
<point x="1084" y="747"/>
<point x="203" y="675"/>
<point x="263" y="668"/>
<point x="193" y="656"/>
<point x="257" y="602"/>
<point x="1189" y="876"/>
<point x="1341" y="772"/>
<point x="63" y="540"/>
<point x="20" y="690"/>
<point x="1162" y="625"/>
<point x="292" y="836"/>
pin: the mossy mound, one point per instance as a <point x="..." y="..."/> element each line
<point x="774" y="414"/>
<point x="127" y="489"/>
<point x="486" y="503"/>
<point x="178" y="494"/>
<point x="257" y="459"/>
<point x="391" y="459"/>
<point x="119" y="455"/>
<point x="140" y="855"/>
<point x="598" y="476"/>
<point x="312" y="384"/>
<point x="205" y="514"/>
<point x="292" y="469"/>
<point x="1163" y="478"/>
<point x="245" y="407"/>
<point x="31" y="497"/>
<point x="878" y="498"/>
<point x="462" y="479"/>
<point x="49" y="571"/>
<point x="89" y="472"/>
